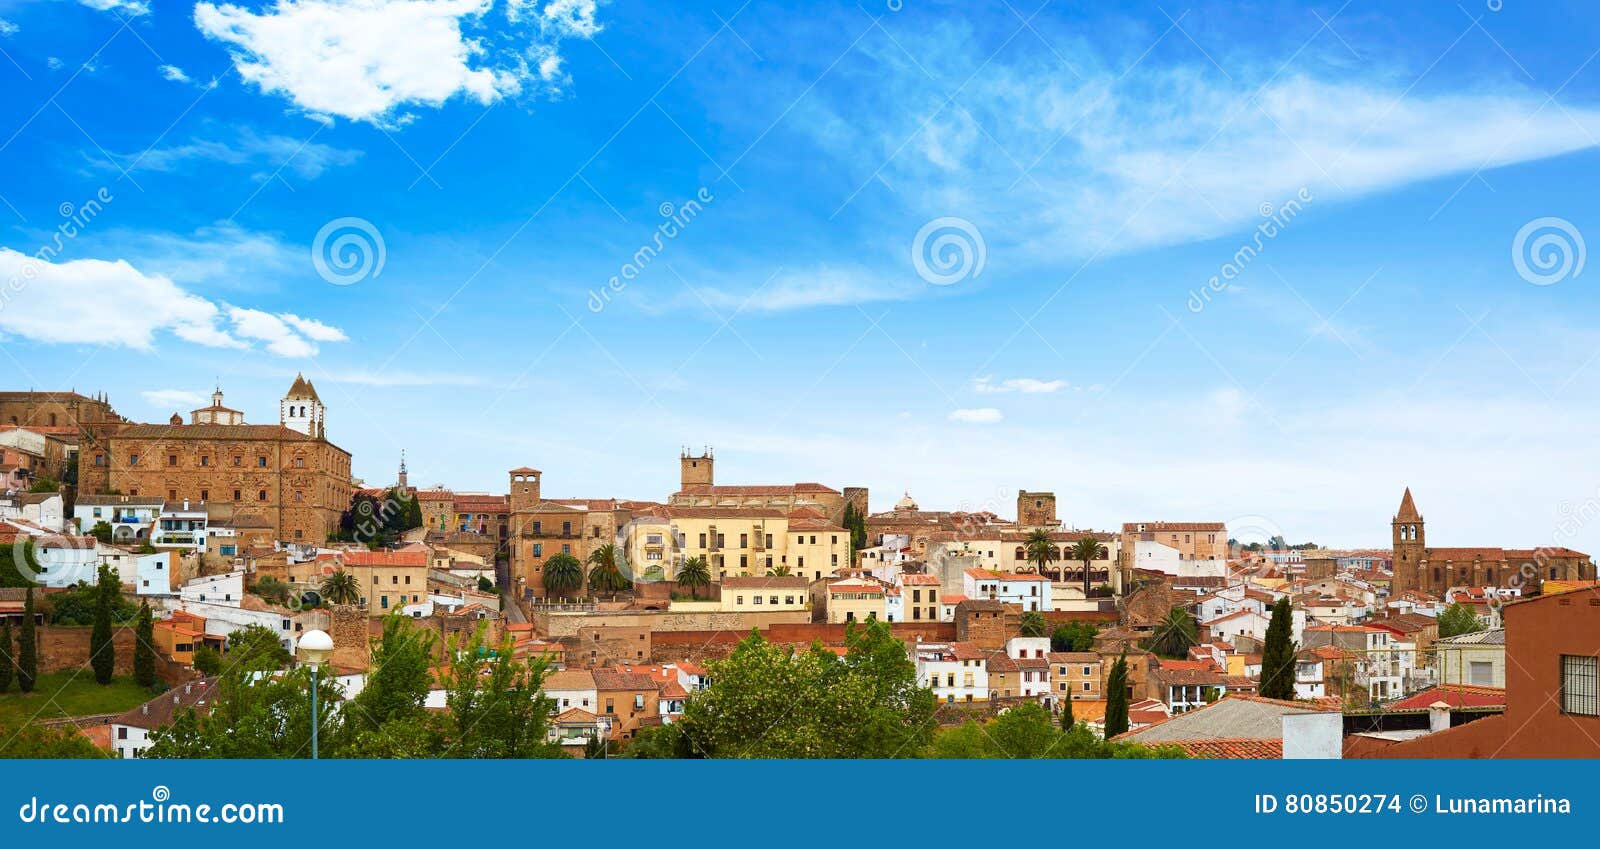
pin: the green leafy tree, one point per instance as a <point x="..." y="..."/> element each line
<point x="563" y="575"/>
<point x="387" y="718"/>
<point x="14" y="573"/>
<point x="1087" y="551"/>
<point x="779" y="571"/>
<point x="8" y="659"/>
<point x="486" y="586"/>
<point x="102" y="650"/>
<point x="341" y="588"/>
<point x="497" y="706"/>
<point x="27" y="647"/>
<point x="101" y="531"/>
<point x="45" y="483"/>
<point x="1033" y="624"/>
<point x="694" y="573"/>
<point x="250" y="716"/>
<point x="1073" y="636"/>
<point x="1041" y="550"/>
<point x="257" y="647"/>
<point x="1278" y="653"/>
<point x="1176" y="633"/>
<point x="144" y="649"/>
<point x="661" y="742"/>
<point x="770" y="701"/>
<point x="207" y="660"/>
<point x="272" y="590"/>
<point x="36" y="742"/>
<point x="1027" y="731"/>
<point x="1117" y="697"/>
<point x="1458" y="619"/>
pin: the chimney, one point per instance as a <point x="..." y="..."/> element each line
<point x="1438" y="717"/>
<point x="186" y="689"/>
<point x="145" y="708"/>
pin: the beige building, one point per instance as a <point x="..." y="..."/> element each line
<point x="766" y="594"/>
<point x="1075" y="674"/>
<point x="855" y="600"/>
<point x="735" y="541"/>
<point x="388" y="580"/>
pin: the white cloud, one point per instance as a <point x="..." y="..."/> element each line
<point x="1057" y="166"/>
<point x="132" y="8"/>
<point x="367" y="60"/>
<point x="8" y="28"/>
<point x="976" y="415"/>
<point x="1025" y="385"/>
<point x="308" y="160"/>
<point x="174" y="73"/>
<point x="790" y="290"/>
<point x="314" y="329"/>
<point x="113" y="303"/>
<point x="170" y="399"/>
<point x="53" y="63"/>
<point x="281" y="339"/>
<point x="222" y="255"/>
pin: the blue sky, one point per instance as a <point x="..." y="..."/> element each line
<point x="957" y="249"/>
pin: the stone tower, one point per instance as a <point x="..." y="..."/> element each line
<point x="1036" y="509"/>
<point x="302" y="410"/>
<point x="401" y="480"/>
<point x="1410" y="546"/>
<point x="695" y="470"/>
<point x="523" y="495"/>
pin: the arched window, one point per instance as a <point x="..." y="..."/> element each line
<point x="1021" y="554"/>
<point x="1438" y="574"/>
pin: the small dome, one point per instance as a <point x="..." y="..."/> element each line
<point x="905" y="504"/>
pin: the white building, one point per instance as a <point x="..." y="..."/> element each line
<point x="44" y="509"/>
<point x="130" y="517"/>
<point x="225" y="589"/>
<point x="62" y="559"/>
<point x="181" y="526"/>
<point x="1032" y="592"/>
<point x="153" y="575"/>
<point x="1159" y="557"/>
<point x="954" y="671"/>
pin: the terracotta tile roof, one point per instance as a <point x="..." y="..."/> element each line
<point x="160" y="710"/>
<point x="917" y="580"/>
<point x="771" y="490"/>
<point x="1454" y="695"/>
<point x="610" y="679"/>
<point x="570" y="679"/>
<point x="1232" y="748"/>
<point x="997" y="661"/>
<point x="1158" y="527"/>
<point x="212" y="431"/>
<point x="1073" y="657"/>
<point x="385" y="557"/>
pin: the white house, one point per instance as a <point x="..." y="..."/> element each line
<point x="954" y="671"/>
<point x="153" y="573"/>
<point x="44" y="509"/>
<point x="130" y="732"/>
<point x="225" y="589"/>
<point x="572" y="688"/>
<point x="130" y="517"/>
<point x="223" y="619"/>
<point x="1032" y="592"/>
<point x="1159" y="557"/>
<point x="62" y="559"/>
<point x="181" y="526"/>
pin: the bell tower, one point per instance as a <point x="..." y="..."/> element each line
<point x="696" y="470"/>
<point x="1410" y="539"/>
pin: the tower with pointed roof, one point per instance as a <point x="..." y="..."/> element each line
<point x="302" y="410"/>
<point x="401" y="481"/>
<point x="1410" y="540"/>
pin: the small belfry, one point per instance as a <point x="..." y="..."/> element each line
<point x="302" y="410"/>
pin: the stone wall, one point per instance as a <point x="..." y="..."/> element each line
<point x="348" y="627"/>
<point x="567" y="624"/>
<point x="63" y="647"/>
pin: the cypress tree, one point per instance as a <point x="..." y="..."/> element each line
<point x="27" y="648"/>
<point x="1117" y="697"/>
<point x="1067" y="719"/>
<point x="144" y="651"/>
<point x="1277" y="653"/>
<point x="102" y="654"/>
<point x="8" y="661"/>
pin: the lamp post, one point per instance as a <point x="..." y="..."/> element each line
<point x="314" y="649"/>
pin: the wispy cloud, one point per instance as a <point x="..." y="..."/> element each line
<point x="168" y="399"/>
<point x="271" y="153"/>
<point x="976" y="415"/>
<point x="1025" y="385"/>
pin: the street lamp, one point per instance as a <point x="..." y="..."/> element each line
<point x="314" y="649"/>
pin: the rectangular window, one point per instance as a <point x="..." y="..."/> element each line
<point x="261" y="462"/>
<point x="172" y="459"/>
<point x="1578" y="686"/>
<point x="1480" y="673"/>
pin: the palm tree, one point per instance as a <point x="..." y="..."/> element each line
<point x="1086" y="551"/>
<point x="606" y="570"/>
<point x="1033" y="624"/>
<point x="1041" y="550"/>
<point x="341" y="588"/>
<point x="780" y="571"/>
<point x="562" y="574"/>
<point x="694" y="573"/>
